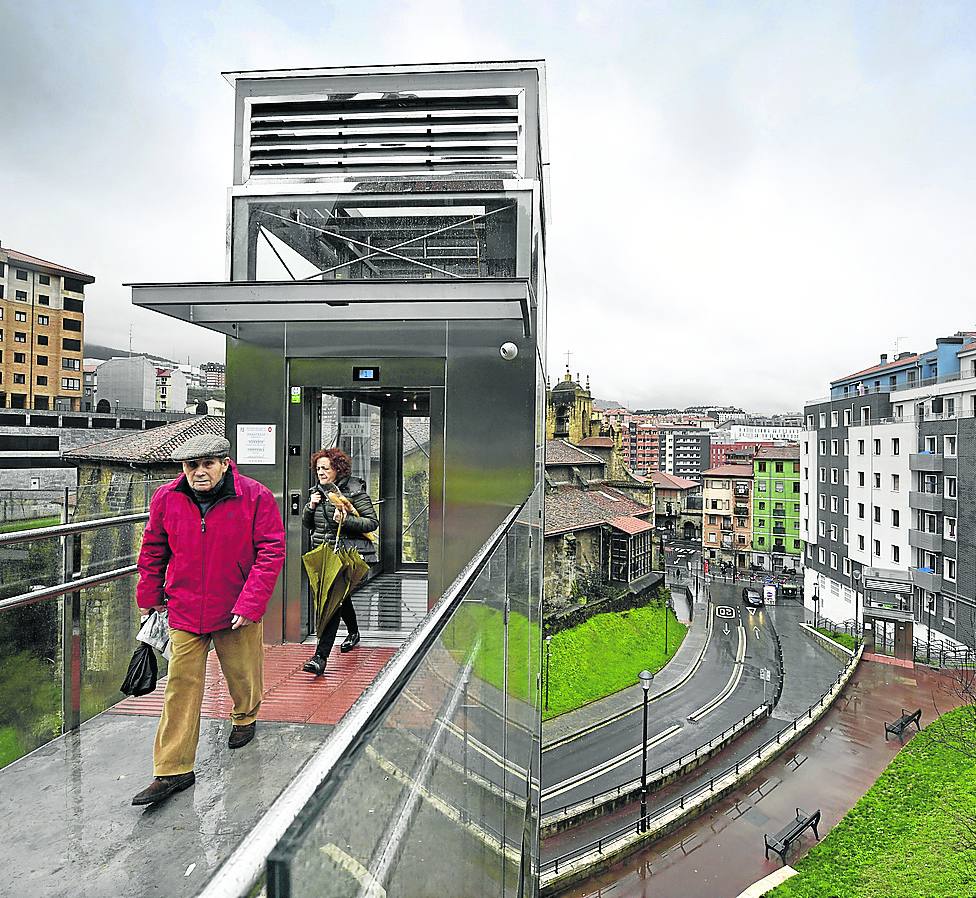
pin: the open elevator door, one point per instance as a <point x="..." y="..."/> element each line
<point x="393" y="433"/>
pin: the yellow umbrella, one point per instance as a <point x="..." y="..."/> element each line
<point x="323" y="565"/>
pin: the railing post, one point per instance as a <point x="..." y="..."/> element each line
<point x="70" y="631"/>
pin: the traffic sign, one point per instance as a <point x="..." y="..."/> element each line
<point x="765" y="674"/>
<point x="724" y="611"/>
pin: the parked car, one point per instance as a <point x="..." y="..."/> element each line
<point x="752" y="597"/>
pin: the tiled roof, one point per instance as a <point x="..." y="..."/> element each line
<point x="597" y="442"/>
<point x="876" y="368"/>
<point x="571" y="508"/>
<point x="562" y="452"/>
<point x="729" y="471"/>
<point x="16" y="256"/>
<point x="631" y="525"/>
<point x="780" y="452"/>
<point x="969" y="347"/>
<point x="150" y="446"/>
<point x="670" y="482"/>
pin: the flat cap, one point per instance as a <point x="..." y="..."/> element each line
<point x="206" y="445"/>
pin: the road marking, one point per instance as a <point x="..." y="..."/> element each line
<point x="756" y="629"/>
<point x="726" y="630"/>
<point x="355" y="869"/>
<point x="483" y="749"/>
<point x="600" y="769"/>
<point x="716" y="702"/>
<point x="726" y="611"/>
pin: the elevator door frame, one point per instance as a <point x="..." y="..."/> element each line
<point x="315" y="377"/>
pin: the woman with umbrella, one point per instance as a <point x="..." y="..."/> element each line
<point x="340" y="514"/>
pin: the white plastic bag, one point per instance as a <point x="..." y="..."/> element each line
<point x="155" y="632"/>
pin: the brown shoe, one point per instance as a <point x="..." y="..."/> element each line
<point x="241" y="735"/>
<point x="163" y="786"/>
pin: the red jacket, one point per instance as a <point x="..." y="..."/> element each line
<point x="211" y="566"/>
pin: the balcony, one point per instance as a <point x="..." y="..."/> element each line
<point x="924" y="539"/>
<point x="891" y="610"/>
<point x="742" y="492"/>
<point x="779" y="513"/>
<point x="925" y="501"/>
<point x="741" y="511"/>
<point x="925" y="461"/>
<point x="779" y="530"/>
<point x="927" y="579"/>
<point x="726" y="525"/>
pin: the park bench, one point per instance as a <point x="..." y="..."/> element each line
<point x="781" y="842"/>
<point x="901" y="724"/>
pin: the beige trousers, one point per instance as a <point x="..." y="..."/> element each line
<point x="241" y="656"/>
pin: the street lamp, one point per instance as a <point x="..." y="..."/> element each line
<point x="645" y="677"/>
<point x="816" y="604"/>
<point x="548" y="650"/>
<point x="667" y="608"/>
<point x="856" y="577"/>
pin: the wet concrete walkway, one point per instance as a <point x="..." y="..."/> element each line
<point x="68" y="825"/>
<point x="721" y="853"/>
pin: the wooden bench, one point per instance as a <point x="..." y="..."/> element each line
<point x="781" y="842"/>
<point x="901" y="724"/>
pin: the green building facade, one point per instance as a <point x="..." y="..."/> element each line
<point x="776" y="543"/>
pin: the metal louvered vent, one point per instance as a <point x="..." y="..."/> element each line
<point x="368" y="133"/>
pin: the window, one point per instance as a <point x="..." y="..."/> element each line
<point x="20" y="337"/>
<point x="950" y="487"/>
<point x="796" y="484"/>
<point x="44" y="279"/>
<point x="895" y="483"/>
<point x="877" y="514"/>
<point x="834" y="447"/>
<point x="877" y="547"/>
<point x="71" y="324"/>
<point x="20" y="358"/>
<point x="1" y="291"/>
<point x="833" y="533"/>
<point x="41" y="380"/>
<point x="43" y="319"/>
<point x="949" y="610"/>
<point x="834" y="504"/>
<point x="20" y="316"/>
<point x="950" y="447"/>
<point x="21" y="275"/>
<point x="860" y="542"/>
<point x="781" y="488"/>
<point x="823" y="556"/>
<point x="847" y="417"/>
<point x="860" y="510"/>
<point x="20" y="378"/>
<point x="809" y="417"/>
<point x="930" y="444"/>
<point x="847" y="506"/>
<point x="72" y="305"/>
<point x="899" y="411"/>
<point x="70" y="383"/>
<point x="822" y="528"/>
<point x="833" y="560"/>
<point x="877" y="481"/>
<point x="43" y="299"/>
<point x="847" y="447"/>
<point x="896" y="446"/>
<point x="949" y="570"/>
<point x="41" y="360"/>
<point x="823" y="501"/>
<point x="877" y="447"/>
<point x="950" y="528"/>
<point x="895" y="518"/>
<point x="860" y="478"/>
<point x="71" y="345"/>
<point x="846" y="538"/>
<point x="847" y="567"/>
<point x="21" y="295"/>
<point x="865" y="414"/>
<point x="823" y="475"/>
<point x="71" y="364"/>
<point x="860" y="447"/>
<point x="823" y="419"/>
<point x="823" y="447"/>
<point x="41" y="340"/>
<point x="950" y="407"/>
<point x="833" y="419"/>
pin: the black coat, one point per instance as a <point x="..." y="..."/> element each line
<point x="320" y="520"/>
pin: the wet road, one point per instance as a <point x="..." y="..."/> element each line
<point x="725" y="688"/>
<point x="721" y="853"/>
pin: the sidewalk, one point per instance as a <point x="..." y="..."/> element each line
<point x="670" y="677"/>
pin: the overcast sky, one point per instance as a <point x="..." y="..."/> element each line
<point x="748" y="199"/>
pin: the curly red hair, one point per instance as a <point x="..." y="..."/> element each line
<point x="341" y="463"/>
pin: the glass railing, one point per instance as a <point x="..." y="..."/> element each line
<point x="68" y="619"/>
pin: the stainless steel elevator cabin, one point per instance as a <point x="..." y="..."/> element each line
<point x="386" y="240"/>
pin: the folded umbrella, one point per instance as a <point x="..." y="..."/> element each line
<point x="322" y="565"/>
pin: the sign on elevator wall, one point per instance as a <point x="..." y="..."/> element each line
<point x="256" y="444"/>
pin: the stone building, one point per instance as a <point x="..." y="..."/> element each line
<point x="569" y="411"/>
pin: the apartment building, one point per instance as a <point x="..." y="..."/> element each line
<point x="776" y="542"/>
<point x="42" y="319"/>
<point x="727" y="515"/>
<point x="888" y="487"/>
<point x="213" y="375"/>
<point x="683" y="451"/>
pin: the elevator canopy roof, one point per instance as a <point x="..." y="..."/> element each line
<point x="222" y="305"/>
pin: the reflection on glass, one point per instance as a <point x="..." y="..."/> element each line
<point x="401" y="238"/>
<point x="415" y="509"/>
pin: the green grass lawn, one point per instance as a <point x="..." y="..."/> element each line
<point x="605" y="654"/>
<point x="905" y="837"/>
<point x="844" y="639"/>
<point x="30" y="524"/>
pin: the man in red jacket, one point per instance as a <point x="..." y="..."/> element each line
<point x="211" y="554"/>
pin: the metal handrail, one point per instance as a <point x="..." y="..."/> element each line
<point x="62" y="589"/>
<point x="709" y="786"/>
<point x="26" y="536"/>
<point x="244" y="867"/>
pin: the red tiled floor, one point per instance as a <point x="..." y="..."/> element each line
<point x="887" y="659"/>
<point x="290" y="695"/>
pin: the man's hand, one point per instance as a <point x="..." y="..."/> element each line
<point x="238" y="620"/>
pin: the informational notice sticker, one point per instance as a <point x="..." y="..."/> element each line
<point x="296" y="395"/>
<point x="256" y="444"/>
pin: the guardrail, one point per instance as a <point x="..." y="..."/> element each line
<point x="720" y="781"/>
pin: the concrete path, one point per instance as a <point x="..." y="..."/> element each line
<point x="721" y="854"/>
